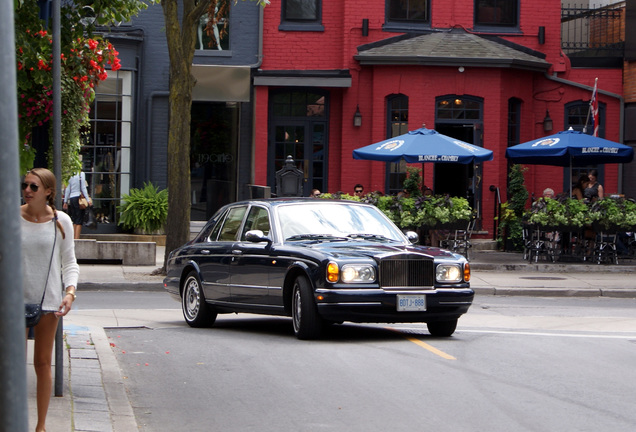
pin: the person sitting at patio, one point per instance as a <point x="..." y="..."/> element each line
<point x="358" y="190"/>
<point x="579" y="187"/>
<point x="548" y="193"/>
<point x="594" y="189"/>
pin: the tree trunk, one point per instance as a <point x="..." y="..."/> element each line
<point x="181" y="37"/>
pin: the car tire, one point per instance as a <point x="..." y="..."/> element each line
<point x="442" y="328"/>
<point x="196" y="311"/>
<point x="305" y="317"/>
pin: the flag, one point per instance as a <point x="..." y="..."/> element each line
<point x="594" y="109"/>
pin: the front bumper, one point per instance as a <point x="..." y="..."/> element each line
<point x="378" y="305"/>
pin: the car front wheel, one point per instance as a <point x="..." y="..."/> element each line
<point x="307" y="321"/>
<point x="196" y="311"/>
<point x="442" y="328"/>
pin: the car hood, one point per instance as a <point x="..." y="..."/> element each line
<point x="372" y="249"/>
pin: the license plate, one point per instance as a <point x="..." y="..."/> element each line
<point x="409" y="303"/>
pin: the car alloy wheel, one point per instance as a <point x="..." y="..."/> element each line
<point x="196" y="311"/>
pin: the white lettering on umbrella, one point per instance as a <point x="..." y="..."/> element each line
<point x="436" y="158"/>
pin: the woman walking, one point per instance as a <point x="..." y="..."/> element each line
<point x="48" y="265"/>
<point x="76" y="188"/>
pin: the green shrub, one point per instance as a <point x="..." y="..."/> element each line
<point x="144" y="209"/>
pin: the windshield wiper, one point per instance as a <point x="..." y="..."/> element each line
<point x="369" y="237"/>
<point x="315" y="237"/>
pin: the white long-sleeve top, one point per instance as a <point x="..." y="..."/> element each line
<point x="74" y="189"/>
<point x="37" y="244"/>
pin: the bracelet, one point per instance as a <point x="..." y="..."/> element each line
<point x="72" y="293"/>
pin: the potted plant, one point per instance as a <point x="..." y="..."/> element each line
<point x="144" y="210"/>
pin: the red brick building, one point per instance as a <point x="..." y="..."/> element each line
<point x="489" y="72"/>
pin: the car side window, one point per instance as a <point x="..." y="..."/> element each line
<point x="257" y="219"/>
<point x="232" y="224"/>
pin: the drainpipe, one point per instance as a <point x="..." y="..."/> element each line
<point x="621" y="113"/>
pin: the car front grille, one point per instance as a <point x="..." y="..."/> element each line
<point x="405" y="272"/>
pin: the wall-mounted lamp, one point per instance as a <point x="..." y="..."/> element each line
<point x="357" y="117"/>
<point x="541" y="35"/>
<point x="547" y="122"/>
<point x="365" y="27"/>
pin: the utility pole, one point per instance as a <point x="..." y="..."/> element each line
<point x="13" y="398"/>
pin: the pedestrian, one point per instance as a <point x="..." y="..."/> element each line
<point x="75" y="189"/>
<point x="315" y="193"/>
<point x="48" y="264"/>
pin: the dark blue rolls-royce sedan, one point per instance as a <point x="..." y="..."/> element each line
<point x="319" y="262"/>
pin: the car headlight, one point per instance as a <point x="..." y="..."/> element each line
<point x="351" y="273"/>
<point x="448" y="273"/>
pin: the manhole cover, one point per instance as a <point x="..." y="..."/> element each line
<point x="542" y="278"/>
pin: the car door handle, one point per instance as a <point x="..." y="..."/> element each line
<point x="237" y="252"/>
<point x="205" y="252"/>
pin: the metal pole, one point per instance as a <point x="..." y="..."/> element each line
<point x="13" y="397"/>
<point x="57" y="168"/>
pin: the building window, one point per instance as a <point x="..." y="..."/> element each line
<point x="301" y="15"/>
<point x="514" y="121"/>
<point x="106" y="149"/>
<point x="213" y="34"/>
<point x="397" y="109"/>
<point x="407" y="14"/>
<point x="579" y="118"/>
<point x="497" y="13"/>
<point x="455" y="108"/>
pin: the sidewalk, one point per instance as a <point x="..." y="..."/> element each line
<point x="94" y="396"/>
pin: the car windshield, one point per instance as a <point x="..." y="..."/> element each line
<point x="337" y="219"/>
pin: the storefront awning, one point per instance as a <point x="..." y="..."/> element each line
<point x="221" y="83"/>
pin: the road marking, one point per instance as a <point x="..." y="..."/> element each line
<point x="430" y="348"/>
<point x="571" y="335"/>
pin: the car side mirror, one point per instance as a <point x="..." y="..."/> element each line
<point x="257" y="236"/>
<point x="413" y="237"/>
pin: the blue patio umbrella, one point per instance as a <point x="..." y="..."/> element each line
<point x="424" y="145"/>
<point x="568" y="147"/>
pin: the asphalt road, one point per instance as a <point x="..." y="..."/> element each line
<point x="522" y="364"/>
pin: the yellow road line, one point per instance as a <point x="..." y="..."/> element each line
<point x="424" y="345"/>
<point x="430" y="348"/>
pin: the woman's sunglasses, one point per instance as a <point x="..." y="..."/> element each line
<point x="33" y="186"/>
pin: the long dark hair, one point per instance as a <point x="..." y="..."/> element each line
<point x="48" y="182"/>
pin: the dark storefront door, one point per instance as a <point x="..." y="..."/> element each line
<point x="299" y="129"/>
<point x="213" y="156"/>
<point x="461" y="180"/>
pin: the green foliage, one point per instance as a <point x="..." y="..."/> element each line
<point x="144" y="209"/>
<point x="511" y="212"/>
<point x="564" y="212"/>
<point x="413" y="181"/>
<point x="423" y="211"/>
<point x="609" y="214"/>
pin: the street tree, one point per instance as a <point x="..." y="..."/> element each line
<point x="182" y="18"/>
